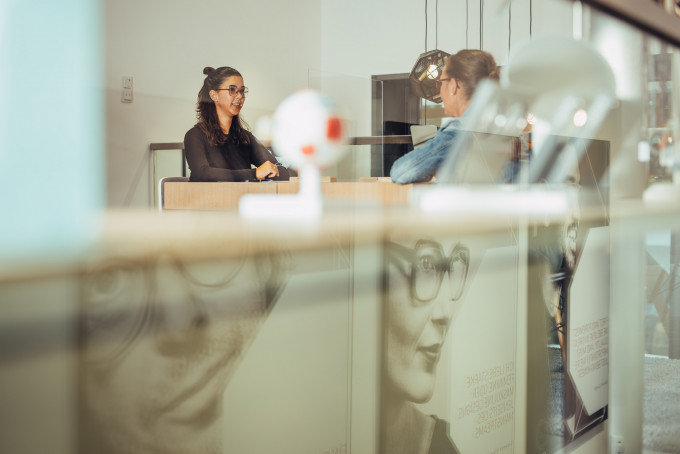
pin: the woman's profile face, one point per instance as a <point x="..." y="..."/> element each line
<point x="425" y="282"/>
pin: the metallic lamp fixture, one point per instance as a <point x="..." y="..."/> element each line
<point x="425" y="74"/>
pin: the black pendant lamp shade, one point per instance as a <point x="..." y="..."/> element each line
<point x="425" y="74"/>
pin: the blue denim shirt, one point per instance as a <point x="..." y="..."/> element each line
<point x="423" y="162"/>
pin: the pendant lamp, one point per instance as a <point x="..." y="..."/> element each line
<point x="425" y="74"/>
<point x="429" y="66"/>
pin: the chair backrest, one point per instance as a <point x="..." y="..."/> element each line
<point x="161" y="191"/>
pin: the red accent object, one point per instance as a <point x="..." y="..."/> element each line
<point x="334" y="129"/>
<point x="308" y="150"/>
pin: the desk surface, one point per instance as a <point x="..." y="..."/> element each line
<point x="222" y="195"/>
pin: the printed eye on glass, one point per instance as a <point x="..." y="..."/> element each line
<point x="425" y="266"/>
<point x="115" y="309"/>
<point x="233" y="90"/>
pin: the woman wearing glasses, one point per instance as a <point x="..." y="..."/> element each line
<point x="457" y="84"/>
<point x="161" y="342"/>
<point x="424" y="285"/>
<point x="218" y="147"/>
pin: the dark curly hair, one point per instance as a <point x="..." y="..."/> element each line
<point x="469" y="67"/>
<point x="206" y="112"/>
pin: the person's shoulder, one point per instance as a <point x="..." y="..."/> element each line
<point x="195" y="131"/>
<point x="196" y="136"/>
<point x="251" y="137"/>
<point x="451" y="123"/>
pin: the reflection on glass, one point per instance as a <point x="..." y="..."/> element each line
<point x="352" y="96"/>
<point x="161" y="342"/>
<point x="557" y="253"/>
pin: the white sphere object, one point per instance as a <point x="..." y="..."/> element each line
<point x="307" y="129"/>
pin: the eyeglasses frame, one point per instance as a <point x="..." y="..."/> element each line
<point x="233" y="90"/>
<point x="459" y="252"/>
<point x="440" y="81"/>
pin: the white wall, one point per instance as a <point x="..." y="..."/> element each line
<point x="364" y="38"/>
<point x="277" y="45"/>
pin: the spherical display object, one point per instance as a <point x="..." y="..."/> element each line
<point x="307" y="129"/>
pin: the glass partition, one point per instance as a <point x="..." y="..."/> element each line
<point x="647" y="71"/>
<point x="450" y="376"/>
<point x="643" y="132"/>
<point x="355" y="98"/>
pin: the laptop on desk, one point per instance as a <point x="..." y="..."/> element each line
<point x="422" y="133"/>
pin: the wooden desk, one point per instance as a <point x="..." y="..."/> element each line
<point x="385" y="193"/>
<point x="218" y="196"/>
<point x="210" y="196"/>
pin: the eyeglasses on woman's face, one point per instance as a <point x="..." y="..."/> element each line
<point x="234" y="90"/>
<point x="425" y="266"/>
<point x="439" y="82"/>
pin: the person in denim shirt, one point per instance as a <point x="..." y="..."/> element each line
<point x="458" y="81"/>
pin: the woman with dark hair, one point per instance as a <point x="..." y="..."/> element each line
<point x="458" y="82"/>
<point x="219" y="147"/>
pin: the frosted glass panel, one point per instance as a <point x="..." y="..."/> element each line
<point x="354" y="97"/>
<point x="50" y="127"/>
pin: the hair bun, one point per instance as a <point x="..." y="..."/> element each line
<point x="208" y="69"/>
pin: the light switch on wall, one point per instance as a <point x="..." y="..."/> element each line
<point x="126" y="89"/>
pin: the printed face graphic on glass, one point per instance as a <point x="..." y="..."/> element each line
<point x="425" y="284"/>
<point x="160" y="344"/>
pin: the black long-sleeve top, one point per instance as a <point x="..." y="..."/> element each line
<point x="230" y="161"/>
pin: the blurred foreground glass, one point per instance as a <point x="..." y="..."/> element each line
<point x="54" y="175"/>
